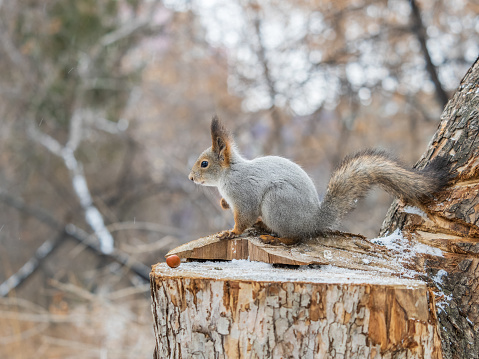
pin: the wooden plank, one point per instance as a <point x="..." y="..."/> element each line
<point x="343" y="250"/>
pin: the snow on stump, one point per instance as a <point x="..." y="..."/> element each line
<point x="245" y="309"/>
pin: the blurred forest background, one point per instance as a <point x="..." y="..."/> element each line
<point x="106" y="104"/>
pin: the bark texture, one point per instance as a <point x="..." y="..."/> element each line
<point x="450" y="223"/>
<point x="204" y="310"/>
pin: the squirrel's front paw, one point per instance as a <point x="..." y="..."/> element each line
<point x="226" y="235"/>
<point x="224" y="204"/>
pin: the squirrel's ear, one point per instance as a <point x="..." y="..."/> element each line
<point x="221" y="139"/>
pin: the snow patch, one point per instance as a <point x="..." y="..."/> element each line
<point x="397" y="242"/>
<point x="414" y="210"/>
<point x="438" y="277"/>
<point x="404" y="250"/>
<point x="425" y="249"/>
<point x="445" y="299"/>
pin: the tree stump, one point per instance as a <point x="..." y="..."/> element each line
<point x="351" y="303"/>
<point x="245" y="309"/>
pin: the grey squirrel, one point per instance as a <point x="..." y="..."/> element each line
<point x="281" y="193"/>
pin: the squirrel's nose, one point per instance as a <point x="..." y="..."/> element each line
<point x="191" y="176"/>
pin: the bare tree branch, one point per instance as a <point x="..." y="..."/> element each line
<point x="76" y="128"/>
<point x="420" y="32"/>
<point x="12" y="52"/>
<point x="72" y="231"/>
<point x="44" y="139"/>
<point x="30" y="266"/>
<point x="79" y="183"/>
<point x="144" y="226"/>
<point x="108" y="126"/>
<point x="124" y="31"/>
<point x="38" y="213"/>
<point x="270" y="83"/>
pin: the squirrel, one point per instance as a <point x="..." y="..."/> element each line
<point x="278" y="195"/>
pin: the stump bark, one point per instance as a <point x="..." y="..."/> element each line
<point x="245" y="309"/>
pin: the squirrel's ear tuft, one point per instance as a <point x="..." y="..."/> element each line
<point x="221" y="139"/>
<point x="215" y="124"/>
<point x="219" y="134"/>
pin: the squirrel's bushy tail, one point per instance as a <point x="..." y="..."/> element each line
<point x="358" y="173"/>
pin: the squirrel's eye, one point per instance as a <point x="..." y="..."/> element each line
<point x="204" y="164"/>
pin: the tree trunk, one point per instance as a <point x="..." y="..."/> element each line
<point x="244" y="309"/>
<point x="451" y="223"/>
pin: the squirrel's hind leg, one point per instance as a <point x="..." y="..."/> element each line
<point x="261" y="226"/>
<point x="268" y="239"/>
<point x="272" y="239"/>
